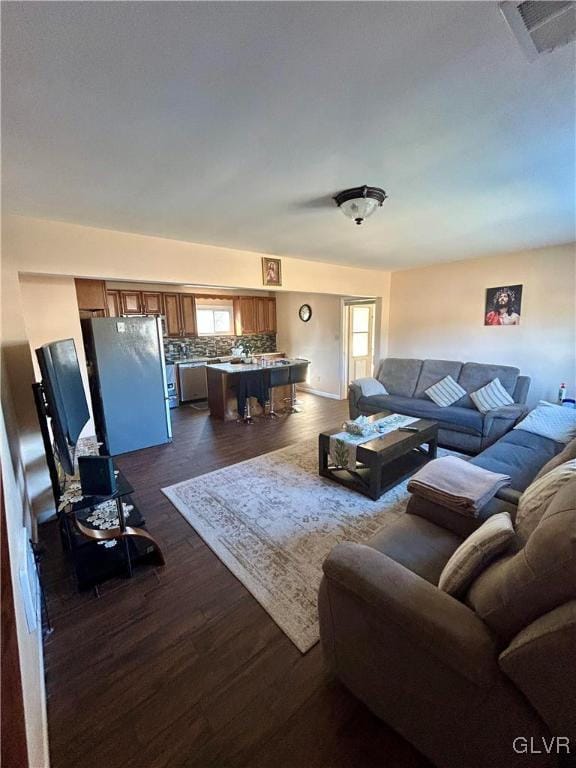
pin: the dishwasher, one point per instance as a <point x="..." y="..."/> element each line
<point x="192" y="381"/>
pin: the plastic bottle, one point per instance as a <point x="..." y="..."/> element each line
<point x="561" y="393"/>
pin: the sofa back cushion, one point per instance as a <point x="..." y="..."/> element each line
<point x="568" y="453"/>
<point x="517" y="589"/>
<point x="399" y="375"/>
<point x="433" y="371"/>
<point x="474" y="376"/>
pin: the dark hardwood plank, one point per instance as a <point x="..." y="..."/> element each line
<point x="181" y="666"/>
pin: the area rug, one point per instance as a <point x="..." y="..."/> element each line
<point x="272" y="520"/>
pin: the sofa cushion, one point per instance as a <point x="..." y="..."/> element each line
<point x="434" y="371"/>
<point x="517" y="589"/>
<point x="399" y="376"/>
<point x="475" y="553"/>
<point x="370" y="386"/>
<point x="445" y="392"/>
<point x="417" y="544"/>
<point x="536" y="498"/>
<point x="518" y="454"/>
<point x="491" y="397"/>
<point x="454" y="417"/>
<point x="568" y="453"/>
<point x="473" y="376"/>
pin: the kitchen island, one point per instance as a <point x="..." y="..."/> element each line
<point x="222" y="379"/>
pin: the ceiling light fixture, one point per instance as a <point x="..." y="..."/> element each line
<point x="360" y="202"/>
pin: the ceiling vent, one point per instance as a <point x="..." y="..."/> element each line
<point x="540" y="27"/>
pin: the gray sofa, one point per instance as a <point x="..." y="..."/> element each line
<point x="461" y="680"/>
<point x="462" y="426"/>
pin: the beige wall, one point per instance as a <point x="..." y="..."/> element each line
<point x="438" y="312"/>
<point x="50" y="309"/>
<point x="318" y="340"/>
<point x="18" y="519"/>
<point x="54" y="248"/>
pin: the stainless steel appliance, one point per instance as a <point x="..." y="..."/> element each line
<point x="127" y="373"/>
<point x="192" y="381"/>
<point x="173" y="400"/>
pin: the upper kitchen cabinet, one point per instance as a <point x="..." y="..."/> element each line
<point x="188" y="314"/>
<point x="266" y="315"/>
<point x="131" y="302"/>
<point x="180" y="313"/>
<point x="91" y="295"/>
<point x="114" y="303"/>
<point x="152" y="303"/>
<point x="173" y="314"/>
<point x="254" y="314"/>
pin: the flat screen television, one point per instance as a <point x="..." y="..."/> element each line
<point x="65" y="397"/>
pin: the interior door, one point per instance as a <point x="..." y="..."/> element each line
<point x="360" y="341"/>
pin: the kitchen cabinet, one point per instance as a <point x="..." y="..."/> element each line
<point x="114" y="303"/>
<point x="172" y="314"/>
<point x="131" y="302"/>
<point x="254" y="314"/>
<point x="91" y="295"/>
<point x="152" y="303"/>
<point x="188" y="314"/>
<point x="265" y="315"/>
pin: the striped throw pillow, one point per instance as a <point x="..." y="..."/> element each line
<point x="445" y="392"/>
<point x="491" y="396"/>
<point x="475" y="554"/>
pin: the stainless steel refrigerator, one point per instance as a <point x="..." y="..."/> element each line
<point x="127" y="373"/>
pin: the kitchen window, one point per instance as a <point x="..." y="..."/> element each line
<point x="215" y="318"/>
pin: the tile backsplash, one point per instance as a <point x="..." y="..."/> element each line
<point x="214" y="346"/>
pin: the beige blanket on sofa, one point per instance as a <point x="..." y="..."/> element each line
<point x="457" y="484"/>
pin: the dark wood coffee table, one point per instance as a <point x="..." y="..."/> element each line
<point x="383" y="462"/>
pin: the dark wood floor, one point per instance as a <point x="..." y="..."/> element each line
<point x="180" y="666"/>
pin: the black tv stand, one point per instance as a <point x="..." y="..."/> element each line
<point x="97" y="553"/>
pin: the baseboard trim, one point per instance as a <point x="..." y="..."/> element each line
<point x="320" y="393"/>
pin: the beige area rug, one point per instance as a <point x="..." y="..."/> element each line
<point x="272" y="520"/>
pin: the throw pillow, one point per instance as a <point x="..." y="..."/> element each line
<point x="370" y="386"/>
<point x="491" y="396"/>
<point x="475" y="553"/>
<point x="445" y="392"/>
<point x="536" y="498"/>
<point x="549" y="420"/>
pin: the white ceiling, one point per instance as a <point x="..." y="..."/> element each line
<point x="233" y="124"/>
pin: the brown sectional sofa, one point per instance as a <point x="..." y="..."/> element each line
<point x="460" y="679"/>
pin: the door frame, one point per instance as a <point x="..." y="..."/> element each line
<point x="345" y="335"/>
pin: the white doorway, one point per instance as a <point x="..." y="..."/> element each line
<point x="360" y="317"/>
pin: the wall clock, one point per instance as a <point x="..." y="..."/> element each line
<point x="305" y="312"/>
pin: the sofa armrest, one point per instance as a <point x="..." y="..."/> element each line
<point x="511" y="495"/>
<point x="354" y="395"/>
<point x="444" y="629"/>
<point x="499" y="421"/>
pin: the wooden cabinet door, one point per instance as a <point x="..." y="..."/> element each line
<point x="261" y="315"/>
<point x="91" y="294"/>
<point x="272" y="315"/>
<point x="131" y="302"/>
<point x="114" y="303"/>
<point x="173" y="315"/>
<point x="248" y="314"/>
<point x="152" y="303"/>
<point x="188" y="313"/>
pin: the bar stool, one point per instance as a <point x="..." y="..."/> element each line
<point x="298" y="374"/>
<point x="250" y="384"/>
<point x="278" y="376"/>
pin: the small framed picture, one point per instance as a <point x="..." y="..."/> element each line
<point x="503" y="305"/>
<point x="271" y="271"/>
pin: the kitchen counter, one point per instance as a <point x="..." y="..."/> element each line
<point x="222" y="378"/>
